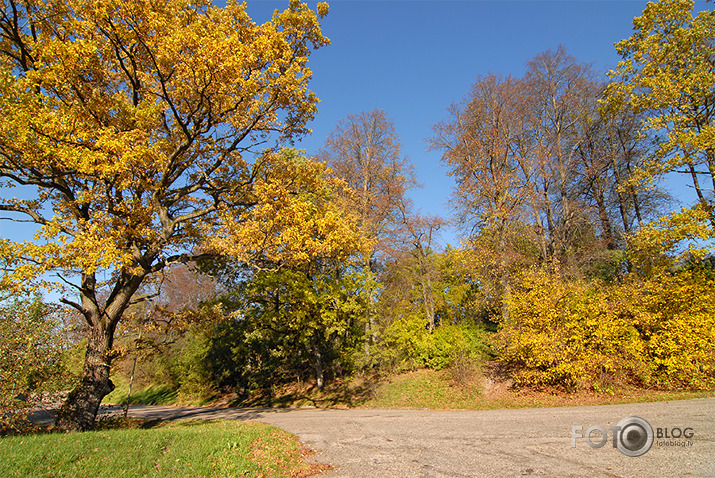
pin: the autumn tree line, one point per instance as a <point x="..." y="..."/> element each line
<point x="150" y="145"/>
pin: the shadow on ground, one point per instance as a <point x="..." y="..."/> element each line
<point x="346" y="394"/>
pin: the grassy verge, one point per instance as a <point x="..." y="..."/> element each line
<point x="151" y="395"/>
<point x="446" y="389"/>
<point x="437" y="390"/>
<point x="176" y="449"/>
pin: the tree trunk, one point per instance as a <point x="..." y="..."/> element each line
<point x="699" y="191"/>
<point x="427" y="294"/>
<point x="504" y="275"/>
<point x="608" y="237"/>
<point x="317" y="361"/>
<point x="79" y="411"/>
<point x="550" y="224"/>
<point x="370" y="329"/>
<point x="541" y="230"/>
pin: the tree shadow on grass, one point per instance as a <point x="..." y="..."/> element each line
<point x="337" y="394"/>
<point x="153" y="395"/>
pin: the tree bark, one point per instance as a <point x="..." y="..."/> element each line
<point x="317" y="361"/>
<point x="427" y="293"/>
<point x="504" y="275"/>
<point x="79" y="411"/>
<point x="699" y="191"/>
<point x="370" y="326"/>
<point x="608" y="237"/>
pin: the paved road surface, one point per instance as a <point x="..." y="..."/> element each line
<point x="499" y="443"/>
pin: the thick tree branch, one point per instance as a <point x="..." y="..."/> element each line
<point x="36" y="217"/>
<point x="180" y="259"/>
<point x="78" y="307"/>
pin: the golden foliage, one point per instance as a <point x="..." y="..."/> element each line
<point x="667" y="73"/>
<point x="133" y="119"/>
<point x="678" y="316"/>
<point x="296" y="218"/>
<point x="581" y="335"/>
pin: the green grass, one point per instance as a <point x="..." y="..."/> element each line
<point x="437" y="390"/>
<point x="151" y="395"/>
<point x="176" y="449"/>
<point x="426" y="389"/>
<point x="449" y="389"/>
<point x="445" y="389"/>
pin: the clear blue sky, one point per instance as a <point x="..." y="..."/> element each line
<point x="414" y="58"/>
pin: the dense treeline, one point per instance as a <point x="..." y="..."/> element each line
<point x="565" y="256"/>
<point x="574" y="271"/>
<point x="559" y="277"/>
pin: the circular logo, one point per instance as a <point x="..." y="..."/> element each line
<point x="635" y="437"/>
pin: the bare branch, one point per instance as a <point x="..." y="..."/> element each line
<point x="180" y="259"/>
<point x="68" y="282"/>
<point x="143" y="298"/>
<point x="36" y="217"/>
<point x="17" y="220"/>
<point x="75" y="305"/>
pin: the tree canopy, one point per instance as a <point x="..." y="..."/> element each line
<point x="133" y="125"/>
<point x="668" y="73"/>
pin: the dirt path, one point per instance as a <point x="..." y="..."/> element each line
<point x="429" y="443"/>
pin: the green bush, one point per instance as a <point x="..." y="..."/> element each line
<point x="416" y="347"/>
<point x="32" y="348"/>
<point x="192" y="370"/>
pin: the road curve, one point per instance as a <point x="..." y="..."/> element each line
<point x="396" y="443"/>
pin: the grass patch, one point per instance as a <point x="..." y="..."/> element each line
<point x="463" y="386"/>
<point x="455" y="388"/>
<point x="176" y="449"/>
<point x="426" y="389"/>
<point x="437" y="390"/>
<point x="154" y="395"/>
<point x="339" y="393"/>
<point x="151" y="395"/>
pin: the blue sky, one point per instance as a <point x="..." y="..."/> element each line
<point x="414" y="58"/>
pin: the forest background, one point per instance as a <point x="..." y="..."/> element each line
<point x="575" y="270"/>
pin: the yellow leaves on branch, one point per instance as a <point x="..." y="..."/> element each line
<point x="297" y="217"/>
<point x="667" y="72"/>
<point x="133" y="120"/>
<point x="665" y="234"/>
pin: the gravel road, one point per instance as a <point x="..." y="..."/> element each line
<point x="398" y="443"/>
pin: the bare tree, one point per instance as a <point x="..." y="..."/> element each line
<point x="364" y="150"/>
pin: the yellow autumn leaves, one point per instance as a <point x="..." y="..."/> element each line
<point x="134" y="121"/>
<point x="596" y="336"/>
<point x="298" y="216"/>
<point x="667" y="73"/>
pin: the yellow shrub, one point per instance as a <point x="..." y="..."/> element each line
<point x="572" y="334"/>
<point x="584" y="340"/>
<point x="589" y="335"/>
<point x="678" y="312"/>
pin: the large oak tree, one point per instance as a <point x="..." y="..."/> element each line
<point x="130" y="126"/>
